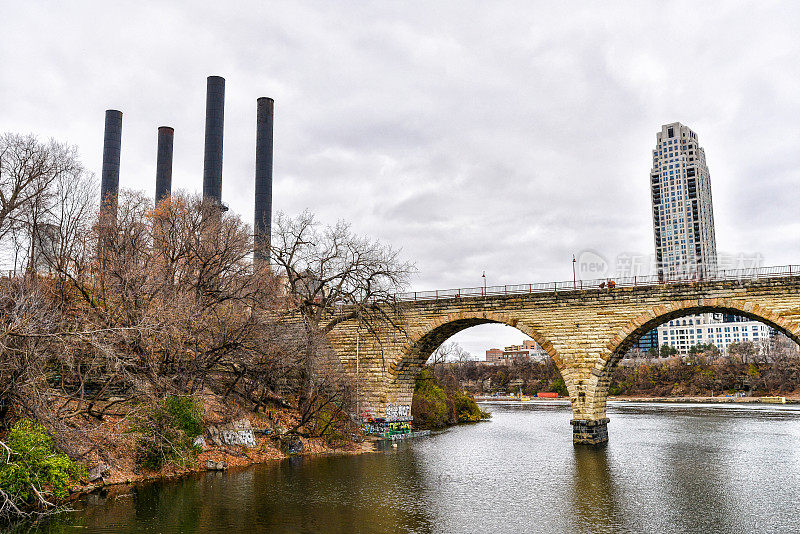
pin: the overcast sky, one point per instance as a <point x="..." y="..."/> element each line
<point x="500" y="137"/>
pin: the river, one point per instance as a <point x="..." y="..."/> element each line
<point x="667" y="468"/>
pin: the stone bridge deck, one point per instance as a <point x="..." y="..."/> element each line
<point x="586" y="332"/>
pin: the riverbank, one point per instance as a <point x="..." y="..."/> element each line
<point x="688" y="468"/>
<point x="516" y="398"/>
<point x="266" y="447"/>
<point x="229" y="437"/>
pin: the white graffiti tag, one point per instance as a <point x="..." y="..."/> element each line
<point x="395" y="412"/>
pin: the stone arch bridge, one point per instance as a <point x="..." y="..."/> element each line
<point x="585" y="328"/>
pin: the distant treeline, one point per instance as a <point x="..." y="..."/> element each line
<point x="753" y="369"/>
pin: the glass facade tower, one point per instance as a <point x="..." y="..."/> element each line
<point x="683" y="216"/>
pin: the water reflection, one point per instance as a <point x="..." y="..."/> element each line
<point x="342" y="494"/>
<point x="594" y="497"/>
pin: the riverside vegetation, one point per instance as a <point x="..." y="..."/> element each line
<point x="771" y="367"/>
<point x="437" y="404"/>
<point x="126" y="329"/>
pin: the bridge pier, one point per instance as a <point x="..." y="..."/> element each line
<point x="589" y="432"/>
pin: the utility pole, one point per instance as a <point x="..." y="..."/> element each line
<point x="358" y="377"/>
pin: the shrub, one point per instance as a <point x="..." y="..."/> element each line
<point x="186" y="414"/>
<point x="429" y="407"/>
<point x="467" y="410"/>
<point x="33" y="465"/>
<point x="558" y="386"/>
<point x="332" y="424"/>
<point x="168" y="431"/>
<point x="436" y="407"/>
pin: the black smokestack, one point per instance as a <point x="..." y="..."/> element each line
<point x="215" y="111"/>
<point x="164" y="162"/>
<point x="112" y="140"/>
<point x="263" y="215"/>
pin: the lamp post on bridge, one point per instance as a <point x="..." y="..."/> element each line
<point x="574" y="279"/>
<point x="484" y="283"/>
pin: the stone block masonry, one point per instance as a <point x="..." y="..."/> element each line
<point x="589" y="432"/>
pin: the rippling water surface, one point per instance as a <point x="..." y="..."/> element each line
<point x="667" y="468"/>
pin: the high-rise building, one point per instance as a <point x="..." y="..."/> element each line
<point x="647" y="341"/>
<point x="683" y="217"/>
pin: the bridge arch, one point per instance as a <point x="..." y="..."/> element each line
<point x="426" y="337"/>
<point x="624" y="338"/>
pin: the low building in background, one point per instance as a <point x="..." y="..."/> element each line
<point x="528" y="349"/>
<point x="494" y="355"/>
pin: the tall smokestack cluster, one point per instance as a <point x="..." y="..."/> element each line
<point x="265" y="111"/>
<point x="112" y="141"/>
<point x="166" y="136"/>
<point x="212" y="163"/>
<point x="215" y="118"/>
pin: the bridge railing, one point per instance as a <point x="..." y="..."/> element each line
<point x="600" y="283"/>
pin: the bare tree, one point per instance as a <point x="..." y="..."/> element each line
<point x="148" y="303"/>
<point x="332" y="275"/>
<point x="449" y="352"/>
<point x="114" y="312"/>
<point x="28" y="168"/>
<point x="744" y="352"/>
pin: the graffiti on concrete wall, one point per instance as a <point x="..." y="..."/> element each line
<point x="385" y="428"/>
<point x="396" y="421"/>
<point x="398" y="412"/>
<point x="373" y="427"/>
<point x="401" y="427"/>
<point x="239" y="437"/>
<point x="238" y="433"/>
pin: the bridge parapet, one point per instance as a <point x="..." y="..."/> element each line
<point x="728" y="275"/>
